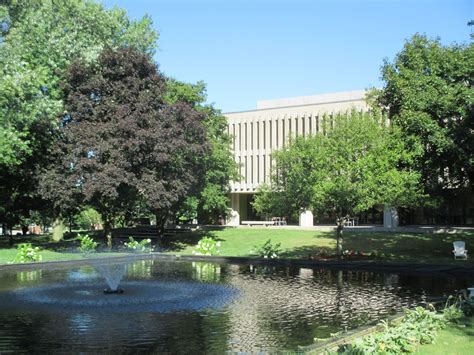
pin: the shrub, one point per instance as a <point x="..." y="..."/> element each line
<point x="27" y="254"/>
<point x="88" y="218"/>
<point x="207" y="246"/>
<point x="88" y="245"/>
<point x="269" y="250"/>
<point x="142" y="246"/>
<point x="418" y="326"/>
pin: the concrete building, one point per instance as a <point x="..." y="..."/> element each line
<point x="258" y="133"/>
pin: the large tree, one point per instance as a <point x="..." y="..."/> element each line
<point x="428" y="93"/>
<point x="121" y="144"/>
<point x="211" y="202"/>
<point x="39" y="39"/>
<point x="359" y="162"/>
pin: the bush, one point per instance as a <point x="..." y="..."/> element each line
<point x="418" y="326"/>
<point x="88" y="218"/>
<point x="143" y="246"/>
<point x="27" y="254"/>
<point x="88" y="245"/>
<point x="269" y="250"/>
<point x="207" y="246"/>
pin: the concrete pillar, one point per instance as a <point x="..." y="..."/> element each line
<point x="306" y="219"/>
<point x="233" y="219"/>
<point x="390" y="217"/>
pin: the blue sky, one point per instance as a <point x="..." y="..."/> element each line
<point x="248" y="50"/>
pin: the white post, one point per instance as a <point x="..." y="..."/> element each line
<point x="390" y="217"/>
<point x="233" y="219"/>
<point x="306" y="219"/>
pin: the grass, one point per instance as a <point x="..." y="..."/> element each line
<point x="410" y="247"/>
<point x="50" y="251"/>
<point x="456" y="339"/>
<point x="8" y="255"/>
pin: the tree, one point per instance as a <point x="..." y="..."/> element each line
<point x="211" y="200"/>
<point x="428" y="93"/>
<point x="359" y="163"/>
<point x="121" y="144"/>
<point x="39" y="39"/>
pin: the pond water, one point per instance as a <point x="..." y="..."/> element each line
<point x="198" y="307"/>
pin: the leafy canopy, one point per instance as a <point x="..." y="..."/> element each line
<point x="39" y="39"/>
<point x="211" y="201"/>
<point x="428" y="93"/>
<point x="121" y="144"/>
<point x="358" y="164"/>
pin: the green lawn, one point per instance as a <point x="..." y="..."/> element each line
<point x="410" y="247"/>
<point x="303" y="243"/>
<point x="457" y="339"/>
<point x="7" y="255"/>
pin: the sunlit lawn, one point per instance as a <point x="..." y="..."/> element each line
<point x="457" y="339"/>
<point x="8" y="255"/>
<point x="410" y="247"/>
<point x="304" y="243"/>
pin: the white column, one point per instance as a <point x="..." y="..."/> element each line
<point x="390" y="217"/>
<point x="306" y="219"/>
<point x="233" y="219"/>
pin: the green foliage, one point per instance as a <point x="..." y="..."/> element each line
<point x="143" y="246"/>
<point x="27" y="254"/>
<point x="88" y="218"/>
<point x="88" y="245"/>
<point x="269" y="250"/>
<point x="359" y="162"/>
<point x="418" y="326"/>
<point x="428" y="93"/>
<point x="207" y="246"/>
<point x="39" y="39"/>
<point x="38" y="44"/>
<point x="219" y="165"/>
<point x="121" y="145"/>
<point x="188" y="210"/>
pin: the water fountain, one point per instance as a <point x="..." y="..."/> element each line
<point x="112" y="274"/>
<point x="194" y="307"/>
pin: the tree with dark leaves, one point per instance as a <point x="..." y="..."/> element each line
<point x="121" y="144"/>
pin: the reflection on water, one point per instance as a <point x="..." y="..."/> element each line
<point x="28" y="276"/>
<point x="206" y="272"/>
<point x="190" y="307"/>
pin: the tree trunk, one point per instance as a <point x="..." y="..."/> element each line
<point x="24" y="230"/>
<point x="339" y="230"/>
<point x="58" y="229"/>
<point x="108" y="232"/>
<point x="70" y="223"/>
<point x="10" y="236"/>
<point x="161" y="219"/>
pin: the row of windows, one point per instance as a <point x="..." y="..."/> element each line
<point x="274" y="133"/>
<point x="254" y="169"/>
<point x="254" y="140"/>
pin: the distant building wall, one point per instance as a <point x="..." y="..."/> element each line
<point x="258" y="133"/>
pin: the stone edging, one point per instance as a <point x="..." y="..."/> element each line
<point x="333" y="344"/>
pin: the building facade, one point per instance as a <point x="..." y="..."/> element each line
<point x="258" y="133"/>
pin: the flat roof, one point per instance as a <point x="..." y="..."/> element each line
<point x="336" y="97"/>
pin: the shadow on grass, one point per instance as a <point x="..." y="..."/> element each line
<point x="306" y="252"/>
<point x="179" y="241"/>
<point x="397" y="246"/>
<point x="463" y="326"/>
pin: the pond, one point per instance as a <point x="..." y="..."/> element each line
<point x="197" y="307"/>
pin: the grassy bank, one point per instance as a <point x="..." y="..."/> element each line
<point x="409" y="247"/>
<point x="456" y="339"/>
<point x="303" y="243"/>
